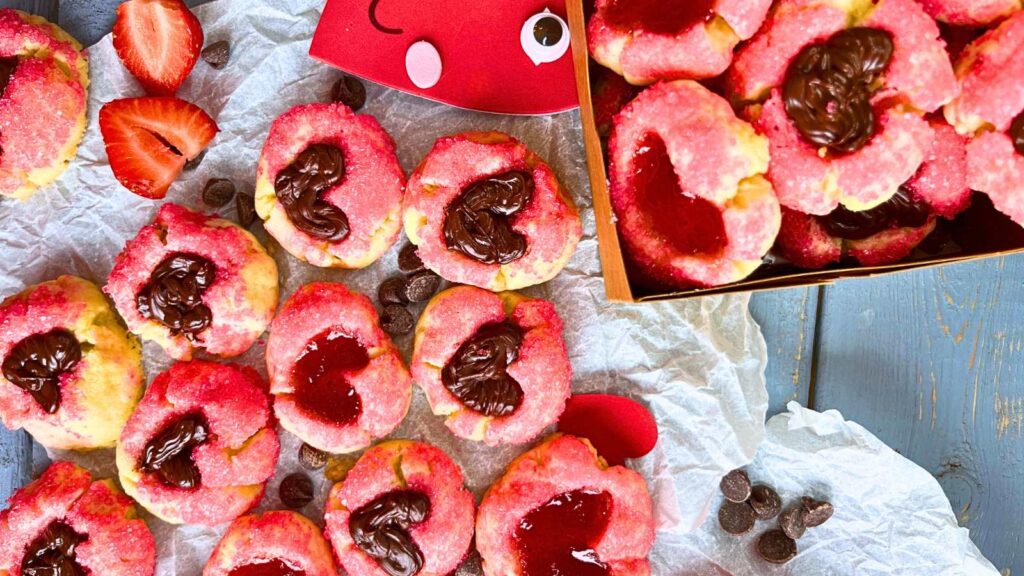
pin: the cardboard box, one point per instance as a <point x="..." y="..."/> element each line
<point x="980" y="232"/>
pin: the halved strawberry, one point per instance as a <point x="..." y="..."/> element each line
<point x="159" y="42"/>
<point x="149" y="140"/>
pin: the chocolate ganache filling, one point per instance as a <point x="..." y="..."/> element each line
<point x="299" y="188"/>
<point x="828" y="88"/>
<point x="479" y="222"/>
<point x="169" y="454"/>
<point x="381" y="530"/>
<point x="52" y="553"/>
<point x="1017" y="133"/>
<point x="478" y="372"/>
<point x="900" y="211"/>
<point x="174" y="294"/>
<point x="36" y="364"/>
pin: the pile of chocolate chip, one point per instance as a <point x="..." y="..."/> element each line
<point x="417" y="284"/>
<point x="746" y="504"/>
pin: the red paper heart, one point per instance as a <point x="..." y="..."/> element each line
<point x="618" y="427"/>
<point x="483" y="62"/>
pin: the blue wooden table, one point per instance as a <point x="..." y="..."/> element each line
<point x="930" y="361"/>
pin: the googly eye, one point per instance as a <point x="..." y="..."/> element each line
<point x="545" y="37"/>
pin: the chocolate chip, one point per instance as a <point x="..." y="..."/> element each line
<point x="218" y="192"/>
<point x="396" y="320"/>
<point x="815" y="512"/>
<point x="349" y="91"/>
<point x="792" y="522"/>
<point x="775" y="547"/>
<point x="392" y="291"/>
<point x="421" y="286"/>
<point x="736" y="517"/>
<point x="245" y="209"/>
<point x="312" y="458"/>
<point x="409" y="261"/>
<point x="735" y="486"/>
<point x="217" y="54"/>
<point x="195" y="162"/>
<point x="765" y="502"/>
<point x="296" y="490"/>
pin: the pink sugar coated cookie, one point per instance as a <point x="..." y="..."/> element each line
<point x="44" y="78"/>
<point x="98" y="375"/>
<point x="687" y="188"/>
<point x="646" y="40"/>
<point x="383" y="387"/>
<point x="241" y="298"/>
<point x="558" y="466"/>
<point x="419" y="471"/>
<point x="65" y="500"/>
<point x="541" y="367"/>
<point x="369" y="192"/>
<point x="997" y="169"/>
<point x="269" y="540"/>
<point x="549" y="222"/>
<point x="229" y="466"/>
<point x="970" y="12"/>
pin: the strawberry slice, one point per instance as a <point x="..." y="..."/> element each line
<point x="159" y="42"/>
<point x="149" y="140"/>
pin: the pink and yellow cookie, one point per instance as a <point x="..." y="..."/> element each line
<point x="71" y="374"/>
<point x="64" y="523"/>
<point x="687" y="185"/>
<point x="494" y="365"/>
<point x="278" y="543"/>
<point x="650" y="40"/>
<point x="402" y="510"/>
<point x="329" y="186"/>
<point x="191" y="281"/>
<point x="485" y="210"/>
<point x="842" y="89"/>
<point x="560" y="509"/>
<point x="970" y="12"/>
<point x="338" y="381"/>
<point x="44" y="82"/>
<point x="201" y="445"/>
<point x="890" y="231"/>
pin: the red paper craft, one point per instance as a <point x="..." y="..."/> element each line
<point x="618" y="427"/>
<point x="507" y="56"/>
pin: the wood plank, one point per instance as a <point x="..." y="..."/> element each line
<point x="787" y="318"/>
<point x="46" y="8"/>
<point x="933" y="363"/>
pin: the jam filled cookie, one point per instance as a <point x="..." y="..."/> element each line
<point x="66" y="524"/>
<point x="44" y="82"/>
<point x="890" y="231"/>
<point x="649" y="40"/>
<point x="559" y="509"/>
<point x="201" y="445"/>
<point x="843" y="87"/>
<point x="329" y="187"/>
<point x="970" y="12"/>
<point x="485" y="210"/>
<point x="688" y="190"/>
<point x="401" y="511"/>
<point x="71" y="375"/>
<point x="337" y="379"/>
<point x="191" y="281"/>
<point x="277" y="543"/>
<point x="494" y="365"/>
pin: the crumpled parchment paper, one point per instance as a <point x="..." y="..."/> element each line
<point x="891" y="516"/>
<point x="698" y="365"/>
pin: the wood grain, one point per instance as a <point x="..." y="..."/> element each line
<point x="787" y="318"/>
<point x="45" y="8"/>
<point x="932" y="362"/>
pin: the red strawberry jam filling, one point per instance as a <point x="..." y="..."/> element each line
<point x="174" y="294"/>
<point x="300" y="188"/>
<point x="52" y="553"/>
<point x="169" y="454"/>
<point x="478" y="372"/>
<point x="900" y="211"/>
<point x="659" y="16"/>
<point x="37" y="363"/>
<point x="273" y="567"/>
<point x="321" y="375"/>
<point x="693" y="225"/>
<point x="381" y="530"/>
<point x="559" y="537"/>
<point x="479" y="222"/>
<point x="7" y="68"/>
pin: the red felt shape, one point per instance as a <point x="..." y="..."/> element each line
<point x="619" y="428"/>
<point x="484" y="65"/>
